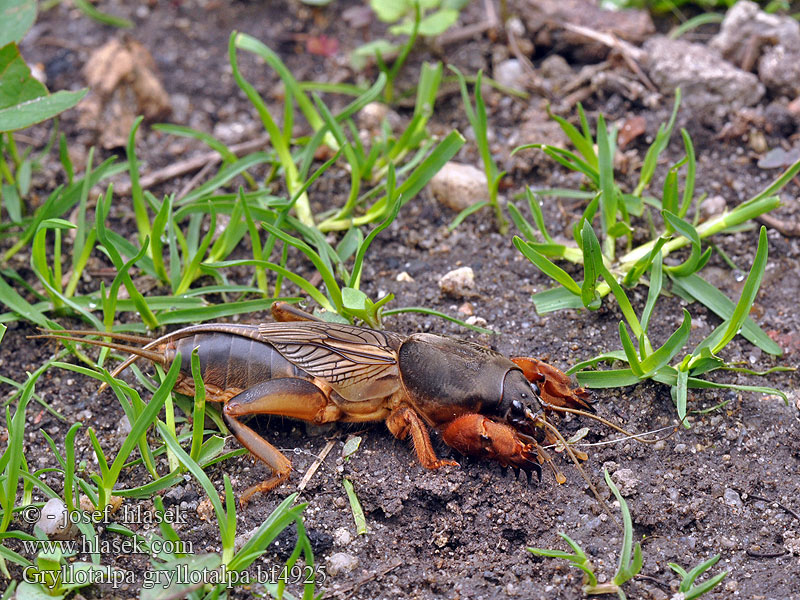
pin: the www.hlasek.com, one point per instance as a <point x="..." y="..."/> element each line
<point x="71" y="574"/>
<point x="112" y="546"/>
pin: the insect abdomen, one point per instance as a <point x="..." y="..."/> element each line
<point x="230" y="361"/>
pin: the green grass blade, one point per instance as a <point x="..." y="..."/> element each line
<point x="608" y="191"/>
<point x="355" y="506"/>
<point x="556" y="299"/>
<point x="653" y="291"/>
<point x="582" y="144"/>
<point x="691" y="168"/>
<point x="751" y="285"/>
<point x="630" y="351"/>
<point x="705" y="293"/>
<point x="547" y="267"/>
<point x="671" y="347"/>
<point x="607" y="379"/>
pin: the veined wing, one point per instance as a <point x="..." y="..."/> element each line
<point x="359" y="363"/>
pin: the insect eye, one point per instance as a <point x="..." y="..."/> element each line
<point x="517" y="406"/>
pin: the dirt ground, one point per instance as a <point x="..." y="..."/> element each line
<point x="728" y="485"/>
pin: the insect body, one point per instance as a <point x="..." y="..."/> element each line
<point x="483" y="403"/>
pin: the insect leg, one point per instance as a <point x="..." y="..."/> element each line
<point x="291" y="397"/>
<point x="476" y="435"/>
<point x="404" y="421"/>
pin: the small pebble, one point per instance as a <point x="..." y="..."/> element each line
<point x="511" y="73"/>
<point x="732" y="498"/>
<point x="466" y="309"/>
<point x="458" y="282"/>
<point x="477" y="321"/>
<point x="54" y="521"/>
<point x="459" y="186"/>
<point x="626" y="481"/>
<point x="342" y="537"/>
<point x="341" y="562"/>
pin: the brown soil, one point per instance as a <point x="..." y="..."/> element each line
<point x="728" y="485"/>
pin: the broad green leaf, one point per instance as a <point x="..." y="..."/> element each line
<point x="17" y="84"/>
<point x="434" y="24"/>
<point x="16" y="18"/>
<point x="38" y="110"/>
<point x="354" y="300"/>
<point x="556" y="299"/>
<point x="390" y="11"/>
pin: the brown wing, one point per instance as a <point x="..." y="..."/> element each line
<point x="358" y="363"/>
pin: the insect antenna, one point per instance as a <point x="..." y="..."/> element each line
<point x="578" y="466"/>
<point x="135" y="352"/>
<point x="636" y="436"/>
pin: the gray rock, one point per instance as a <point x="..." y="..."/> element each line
<point x="708" y="83"/>
<point x="746" y="29"/>
<point x="511" y="73"/>
<point x="779" y="70"/>
<point x="626" y="481"/>
<point x="341" y="562"/>
<point x="745" y="20"/>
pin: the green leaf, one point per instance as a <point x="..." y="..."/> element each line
<point x="607" y="379"/>
<point x="630" y="351"/>
<point x="355" y="506"/>
<point x="592" y="267"/>
<point x="671" y="347"/>
<point x="390" y="11"/>
<point x="556" y="299"/>
<point x="705" y="293"/>
<point x="657" y="147"/>
<point x="360" y="55"/>
<point x="608" y="191"/>
<point x="653" y="291"/>
<point x="582" y="143"/>
<point x="434" y="24"/>
<point x="749" y="292"/>
<point x="38" y="110"/>
<point x="175" y="576"/>
<point x="354" y="300"/>
<point x="680" y="393"/>
<point x="547" y="267"/>
<point x="11" y="298"/>
<point x="696" y="260"/>
<point x="627" y="568"/>
<point x="16" y="18"/>
<point x="17" y="85"/>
